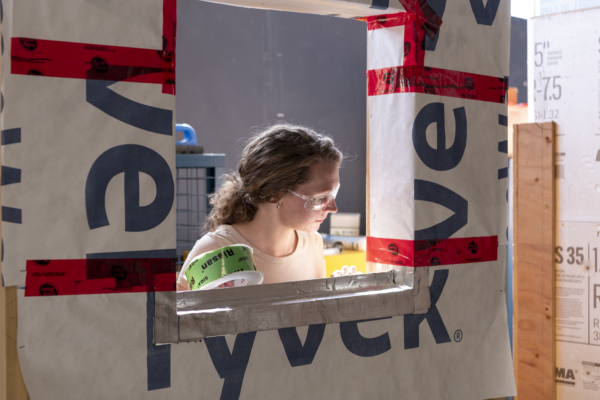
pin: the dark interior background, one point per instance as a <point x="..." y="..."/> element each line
<point x="518" y="57"/>
<point x="239" y="70"/>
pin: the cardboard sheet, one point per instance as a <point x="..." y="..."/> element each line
<point x="578" y="310"/>
<point x="563" y="61"/>
<point x="545" y="7"/>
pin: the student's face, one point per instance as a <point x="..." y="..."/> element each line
<point x="323" y="179"/>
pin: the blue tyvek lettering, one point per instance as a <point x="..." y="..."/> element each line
<point x="298" y="354"/>
<point x="231" y="366"/>
<point x="130" y="159"/>
<point x="439" y="6"/>
<point x="440" y="158"/>
<point x="485" y="15"/>
<point x="152" y="119"/>
<point x="432" y="192"/>
<point x="360" y="345"/>
<point x="434" y="319"/>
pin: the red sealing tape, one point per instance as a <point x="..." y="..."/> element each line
<point x="425" y="253"/>
<point x="436" y="81"/>
<point x="83" y="276"/>
<point x="92" y="61"/>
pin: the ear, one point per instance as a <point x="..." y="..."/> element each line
<point x="276" y="199"/>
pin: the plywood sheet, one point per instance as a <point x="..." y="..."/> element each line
<point x="15" y="387"/>
<point x="533" y="260"/>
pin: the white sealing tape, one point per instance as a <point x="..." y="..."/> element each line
<point x="242" y="278"/>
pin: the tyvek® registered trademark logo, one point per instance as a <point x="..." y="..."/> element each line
<point x="42" y="262"/>
<point x="99" y="65"/>
<point x="29" y="44"/>
<point x="406" y="48"/>
<point x="48" y="290"/>
<point x="434" y="261"/>
<point x="473" y="247"/>
<point x="392" y="248"/>
<point x="35" y="72"/>
<point x="382" y="19"/>
<point x="458" y="336"/>
<point x="118" y="273"/>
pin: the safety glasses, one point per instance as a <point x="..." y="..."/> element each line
<point x="318" y="203"/>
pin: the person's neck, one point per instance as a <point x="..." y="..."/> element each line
<point x="271" y="238"/>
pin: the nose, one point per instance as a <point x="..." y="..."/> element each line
<point x="331" y="206"/>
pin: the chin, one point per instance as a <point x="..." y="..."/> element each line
<point x="310" y="228"/>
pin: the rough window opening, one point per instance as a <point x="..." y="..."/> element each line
<point x="272" y="306"/>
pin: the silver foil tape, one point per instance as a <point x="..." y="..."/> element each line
<point x="193" y="315"/>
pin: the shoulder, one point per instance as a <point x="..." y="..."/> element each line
<point x="222" y="236"/>
<point x="313" y="240"/>
<point x="209" y="242"/>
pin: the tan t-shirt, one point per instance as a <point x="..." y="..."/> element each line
<point x="306" y="262"/>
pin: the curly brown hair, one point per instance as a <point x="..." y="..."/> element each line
<point x="273" y="162"/>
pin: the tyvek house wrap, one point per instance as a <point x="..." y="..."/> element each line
<point x="100" y="345"/>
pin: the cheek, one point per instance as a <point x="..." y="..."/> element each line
<point x="306" y="216"/>
<point x="302" y="219"/>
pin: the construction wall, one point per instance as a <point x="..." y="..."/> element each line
<point x="563" y="73"/>
<point x="437" y="173"/>
<point x="87" y="134"/>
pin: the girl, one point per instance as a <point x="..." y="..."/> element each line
<point x="286" y="185"/>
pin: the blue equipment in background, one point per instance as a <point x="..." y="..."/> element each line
<point x="189" y="133"/>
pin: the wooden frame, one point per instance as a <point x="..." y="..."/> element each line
<point x="533" y="263"/>
<point x="14" y="386"/>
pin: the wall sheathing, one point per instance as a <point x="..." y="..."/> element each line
<point x="61" y="116"/>
<point x="563" y="60"/>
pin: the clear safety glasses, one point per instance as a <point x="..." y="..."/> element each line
<point x="318" y="203"/>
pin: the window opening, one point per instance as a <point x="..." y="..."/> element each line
<point x="193" y="315"/>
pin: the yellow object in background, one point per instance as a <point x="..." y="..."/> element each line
<point x="347" y="257"/>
